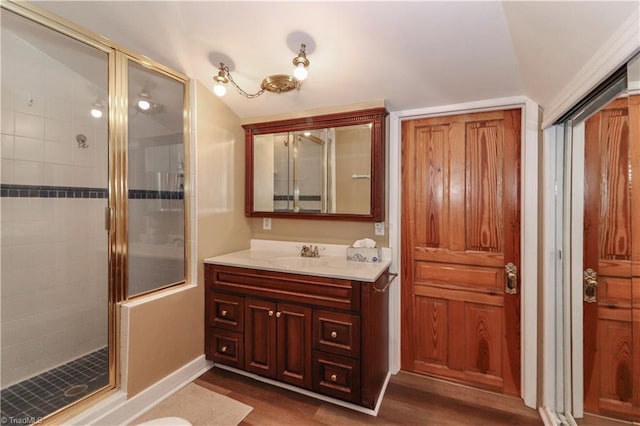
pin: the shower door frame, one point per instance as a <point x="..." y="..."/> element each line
<point x="116" y="216"/>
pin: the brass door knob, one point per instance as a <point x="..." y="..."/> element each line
<point x="590" y="278"/>
<point x="223" y="313"/>
<point x="270" y="313"/>
<point x="278" y="314"/>
<point x="511" y="285"/>
<point x="334" y="378"/>
<point x="224" y="349"/>
<point x="334" y="334"/>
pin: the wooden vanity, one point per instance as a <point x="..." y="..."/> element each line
<point x="325" y="334"/>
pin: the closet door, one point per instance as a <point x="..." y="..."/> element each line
<point x="461" y="248"/>
<point x="611" y="257"/>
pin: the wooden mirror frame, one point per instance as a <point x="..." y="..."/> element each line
<point x="375" y="116"/>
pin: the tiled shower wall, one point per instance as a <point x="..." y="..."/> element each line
<point x="53" y="240"/>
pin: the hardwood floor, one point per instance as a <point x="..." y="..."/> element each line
<point x="410" y="400"/>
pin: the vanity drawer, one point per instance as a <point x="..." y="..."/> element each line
<point x="336" y="376"/>
<point x="225" y="347"/>
<point x="226" y="311"/>
<point x="336" y="332"/>
<point x="320" y="291"/>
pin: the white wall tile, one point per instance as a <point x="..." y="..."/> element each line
<point x="59" y="131"/>
<point x="7" y="146"/>
<point x="28" y="172"/>
<point x="7" y="94"/>
<point x="8" y="121"/>
<point x="7" y="171"/>
<point x="28" y="125"/>
<point x="29" y="149"/>
<point x="29" y="101"/>
<point x="57" y="152"/>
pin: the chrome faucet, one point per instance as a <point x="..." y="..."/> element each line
<point x="309" y="251"/>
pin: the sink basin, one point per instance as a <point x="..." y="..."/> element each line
<point x="293" y="262"/>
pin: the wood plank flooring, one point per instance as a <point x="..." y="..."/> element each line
<point x="410" y="400"/>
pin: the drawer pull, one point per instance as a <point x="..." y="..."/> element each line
<point x="224" y="349"/>
<point x="334" y="334"/>
<point x="223" y="313"/>
<point x="278" y="314"/>
<point x="334" y="378"/>
<point x="270" y="313"/>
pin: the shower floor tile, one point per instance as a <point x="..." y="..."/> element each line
<point x="30" y="400"/>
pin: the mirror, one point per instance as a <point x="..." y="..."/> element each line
<point x="324" y="167"/>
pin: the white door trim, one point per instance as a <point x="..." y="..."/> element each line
<point x="529" y="225"/>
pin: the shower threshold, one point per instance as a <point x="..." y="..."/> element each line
<point x="31" y="400"/>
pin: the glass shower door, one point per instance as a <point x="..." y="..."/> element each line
<point x="54" y="192"/>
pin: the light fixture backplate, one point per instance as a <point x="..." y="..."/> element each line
<point x="280" y="83"/>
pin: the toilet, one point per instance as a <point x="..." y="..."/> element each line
<point x="166" y="421"/>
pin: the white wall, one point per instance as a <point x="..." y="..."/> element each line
<point x="54" y="262"/>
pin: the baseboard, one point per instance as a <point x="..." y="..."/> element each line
<point x="118" y="410"/>
<point x="341" y="403"/>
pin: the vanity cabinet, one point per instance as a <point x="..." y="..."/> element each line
<point x="328" y="335"/>
<point x="278" y="341"/>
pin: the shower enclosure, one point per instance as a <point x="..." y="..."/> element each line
<point x="92" y="184"/>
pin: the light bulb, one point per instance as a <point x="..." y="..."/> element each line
<point x="144" y="104"/>
<point x="96" y="112"/>
<point x="219" y="89"/>
<point x="300" y="72"/>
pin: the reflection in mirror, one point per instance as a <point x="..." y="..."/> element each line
<point x="328" y="166"/>
<point x="316" y="171"/>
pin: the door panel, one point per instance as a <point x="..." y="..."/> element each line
<point x="612" y="251"/>
<point x="260" y="337"/>
<point x="461" y="226"/>
<point x="294" y="344"/>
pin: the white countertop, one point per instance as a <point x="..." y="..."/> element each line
<point x="285" y="257"/>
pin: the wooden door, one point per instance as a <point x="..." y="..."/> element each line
<point x="260" y="337"/>
<point x="294" y="344"/>
<point x="611" y="259"/>
<point x="460" y="227"/>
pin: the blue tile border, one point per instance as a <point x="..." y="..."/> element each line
<point x="301" y="198"/>
<point x="44" y="191"/>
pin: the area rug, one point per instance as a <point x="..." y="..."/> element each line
<point x="200" y="406"/>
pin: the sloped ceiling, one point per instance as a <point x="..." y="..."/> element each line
<point x="410" y="54"/>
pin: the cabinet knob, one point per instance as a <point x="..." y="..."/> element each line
<point x="334" y="334"/>
<point x="333" y="377"/>
<point x="224" y="349"/>
<point x="223" y="313"/>
<point x="270" y="313"/>
<point x="278" y="314"/>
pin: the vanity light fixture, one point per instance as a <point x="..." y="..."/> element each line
<point x="277" y="83"/>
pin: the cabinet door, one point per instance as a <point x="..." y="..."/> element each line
<point x="294" y="344"/>
<point x="260" y="337"/>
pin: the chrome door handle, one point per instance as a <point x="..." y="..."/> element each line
<point x="511" y="285"/>
<point x="590" y="292"/>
